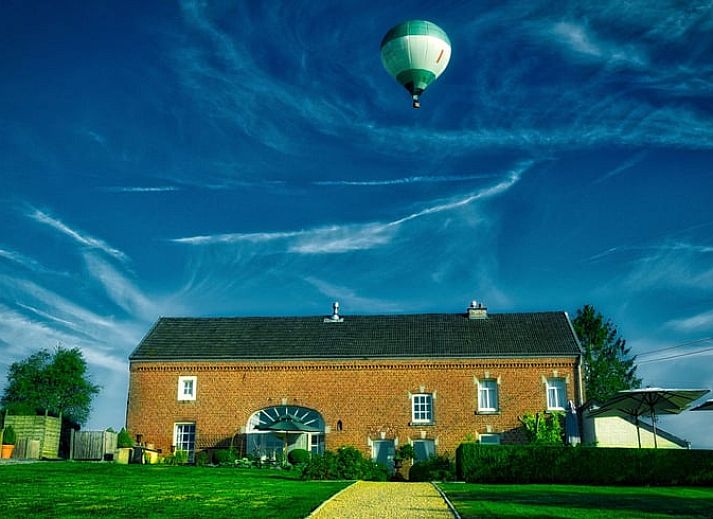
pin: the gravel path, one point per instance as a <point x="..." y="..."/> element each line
<point x="366" y="499"/>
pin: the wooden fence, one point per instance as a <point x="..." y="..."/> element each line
<point x="37" y="436"/>
<point x="92" y="445"/>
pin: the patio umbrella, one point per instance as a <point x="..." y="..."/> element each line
<point x="705" y="406"/>
<point x="571" y="426"/>
<point x="650" y="401"/>
<point x="287" y="424"/>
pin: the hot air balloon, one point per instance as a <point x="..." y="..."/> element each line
<point x="415" y="53"/>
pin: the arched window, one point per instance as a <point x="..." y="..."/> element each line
<point x="269" y="445"/>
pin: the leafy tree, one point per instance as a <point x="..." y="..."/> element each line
<point x="544" y="429"/>
<point x="608" y="364"/>
<point x="55" y="382"/>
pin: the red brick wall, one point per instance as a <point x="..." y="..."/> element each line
<point x="369" y="397"/>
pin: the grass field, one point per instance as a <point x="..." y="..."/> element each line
<point x="67" y="489"/>
<point x="571" y="501"/>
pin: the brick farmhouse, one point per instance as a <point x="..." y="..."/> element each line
<point x="374" y="382"/>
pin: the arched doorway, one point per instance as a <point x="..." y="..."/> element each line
<point x="270" y="446"/>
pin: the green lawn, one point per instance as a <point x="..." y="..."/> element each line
<point x="571" y="501"/>
<point x="72" y="489"/>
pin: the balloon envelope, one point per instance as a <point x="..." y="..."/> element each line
<point x="415" y="53"/>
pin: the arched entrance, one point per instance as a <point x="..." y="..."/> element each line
<point x="269" y="445"/>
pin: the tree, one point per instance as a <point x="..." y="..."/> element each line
<point x="608" y="364"/>
<point x="55" y="382"/>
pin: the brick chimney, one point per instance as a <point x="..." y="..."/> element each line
<point x="477" y="310"/>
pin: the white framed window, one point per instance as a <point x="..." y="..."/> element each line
<point x="556" y="394"/>
<point x="489" y="439"/>
<point x="423" y="450"/>
<point x="422" y="408"/>
<point x="187" y="388"/>
<point x="488" y="395"/>
<point x="184" y="439"/>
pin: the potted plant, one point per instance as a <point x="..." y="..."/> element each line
<point x="124" y="445"/>
<point x="403" y="453"/>
<point x="8" y="442"/>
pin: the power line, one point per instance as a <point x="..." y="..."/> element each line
<point x="680" y="345"/>
<point x="687" y="354"/>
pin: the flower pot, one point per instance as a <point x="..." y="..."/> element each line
<point x="7" y="451"/>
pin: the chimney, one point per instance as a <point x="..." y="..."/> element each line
<point x="335" y="318"/>
<point x="477" y="310"/>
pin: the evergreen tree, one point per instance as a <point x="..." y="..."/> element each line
<point x="608" y="364"/>
<point x="55" y="382"/>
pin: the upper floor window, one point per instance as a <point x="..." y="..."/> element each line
<point x="187" y="388"/>
<point x="488" y="395"/>
<point x="422" y="408"/>
<point x="556" y="394"/>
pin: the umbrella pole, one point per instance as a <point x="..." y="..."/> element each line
<point x="638" y="431"/>
<point x="653" y="419"/>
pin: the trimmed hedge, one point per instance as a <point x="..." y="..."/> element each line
<point x="435" y="468"/>
<point x="582" y="465"/>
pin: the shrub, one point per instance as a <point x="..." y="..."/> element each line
<point x="9" y="437"/>
<point x="435" y="468"/>
<point x="582" y="465"/>
<point x="123" y="439"/>
<point x="298" y="456"/>
<point x="203" y="458"/>
<point x="405" y="453"/>
<point x="346" y="463"/>
<point x="224" y="457"/>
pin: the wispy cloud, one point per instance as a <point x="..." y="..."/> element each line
<point x="405" y="180"/>
<point x="628" y="164"/>
<point x="83" y="239"/>
<point x="142" y="189"/>
<point x="695" y="323"/>
<point x="119" y="289"/>
<point x="354" y="237"/>
<point x="581" y="40"/>
<point x="26" y="262"/>
<point x="26" y="335"/>
<point x="350" y="300"/>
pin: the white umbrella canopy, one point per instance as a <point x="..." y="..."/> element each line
<point x="705" y="406"/>
<point x="649" y="401"/>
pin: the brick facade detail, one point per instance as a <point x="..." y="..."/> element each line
<point x="371" y="398"/>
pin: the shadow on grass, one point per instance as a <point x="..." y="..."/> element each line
<point x="574" y="501"/>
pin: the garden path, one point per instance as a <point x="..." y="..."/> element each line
<point x="367" y="499"/>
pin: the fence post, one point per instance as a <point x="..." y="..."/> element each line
<point x="71" y="444"/>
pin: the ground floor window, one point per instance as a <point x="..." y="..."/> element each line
<point x="184" y="439"/>
<point x="489" y="439"/>
<point x="423" y="449"/>
<point x="383" y="451"/>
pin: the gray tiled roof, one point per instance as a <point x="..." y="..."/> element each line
<point x="371" y="337"/>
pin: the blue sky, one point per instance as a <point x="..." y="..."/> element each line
<point x="245" y="158"/>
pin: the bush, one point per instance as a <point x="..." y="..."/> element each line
<point x="298" y="456"/>
<point x="435" y="468"/>
<point x="346" y="463"/>
<point x="582" y="465"/>
<point x="9" y="437"/>
<point x="203" y="458"/>
<point x="224" y="457"/>
<point x="123" y="439"/>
